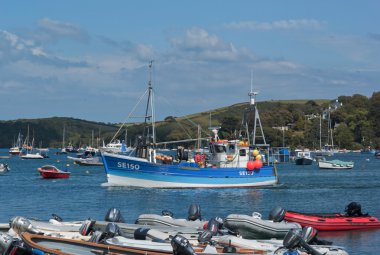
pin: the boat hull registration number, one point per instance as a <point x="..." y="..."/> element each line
<point x="128" y="166"/>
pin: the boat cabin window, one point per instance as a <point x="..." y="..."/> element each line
<point x="220" y="148"/>
<point x="231" y="148"/>
<point x="242" y="152"/>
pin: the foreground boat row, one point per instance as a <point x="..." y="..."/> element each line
<point x="164" y="234"/>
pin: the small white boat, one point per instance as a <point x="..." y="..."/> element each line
<point x="4" y="168"/>
<point x="335" y="164"/>
<point x="32" y="156"/>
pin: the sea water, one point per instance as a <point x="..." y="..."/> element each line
<point x="303" y="188"/>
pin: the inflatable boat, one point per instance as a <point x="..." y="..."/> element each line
<point x="194" y="219"/>
<point x="352" y="219"/>
<point x="254" y="227"/>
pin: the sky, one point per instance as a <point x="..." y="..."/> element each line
<point x="88" y="59"/>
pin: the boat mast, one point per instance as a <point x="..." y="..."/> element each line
<point x="320" y="132"/>
<point x="151" y="106"/>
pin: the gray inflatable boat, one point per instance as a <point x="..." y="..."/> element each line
<point x="254" y="227"/>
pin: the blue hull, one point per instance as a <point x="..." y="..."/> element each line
<point x="130" y="171"/>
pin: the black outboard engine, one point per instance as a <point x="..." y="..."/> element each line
<point x="114" y="215"/>
<point x="167" y="213"/>
<point x="141" y="233"/>
<point x="56" y="217"/>
<point x="194" y="212"/>
<point x="205" y="236"/>
<point x="6" y="242"/>
<point x="213" y="227"/>
<point x="354" y="209"/>
<point x="293" y="239"/>
<point x="97" y="237"/>
<point x="10" y="245"/>
<point x="309" y="235"/>
<point x="181" y="246"/>
<point x="277" y="214"/>
<point x="87" y="227"/>
<point x="112" y="230"/>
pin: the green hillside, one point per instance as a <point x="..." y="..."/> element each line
<point x="355" y="123"/>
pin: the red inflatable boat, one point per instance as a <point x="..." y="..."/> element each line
<point x="352" y="219"/>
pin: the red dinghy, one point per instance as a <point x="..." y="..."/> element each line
<point x="51" y="172"/>
<point x="351" y="220"/>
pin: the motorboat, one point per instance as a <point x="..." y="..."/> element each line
<point x="87" y="158"/>
<point x="352" y="219"/>
<point x="335" y="164"/>
<point x="4" y="168"/>
<point x="254" y="227"/>
<point x="166" y="218"/>
<point x="52" y="172"/>
<point x="303" y="157"/>
<point x="36" y="155"/>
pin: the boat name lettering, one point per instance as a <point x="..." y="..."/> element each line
<point x="128" y="165"/>
<point x="245" y="172"/>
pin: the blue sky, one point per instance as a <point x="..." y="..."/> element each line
<point x="88" y="59"/>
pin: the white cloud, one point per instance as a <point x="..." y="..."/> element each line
<point x="279" y="24"/>
<point x="56" y="29"/>
<point x="198" y="44"/>
<point x="18" y="46"/>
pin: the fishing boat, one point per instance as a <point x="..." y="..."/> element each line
<point x="231" y="163"/>
<point x="352" y="219"/>
<point x="335" y="164"/>
<point x="52" y="172"/>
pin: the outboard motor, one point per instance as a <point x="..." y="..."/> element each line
<point x="213" y="227"/>
<point x="56" y="217"/>
<point x="181" y="246"/>
<point x="86" y="227"/>
<point x="112" y="230"/>
<point x="6" y="243"/>
<point x="140" y="233"/>
<point x="10" y="245"/>
<point x="114" y="215"/>
<point x="167" y="213"/>
<point x="354" y="209"/>
<point x="194" y="212"/>
<point x="97" y="237"/>
<point x="215" y="224"/>
<point x="20" y="224"/>
<point x="309" y="235"/>
<point x="277" y="214"/>
<point x="293" y="239"/>
<point x="205" y="236"/>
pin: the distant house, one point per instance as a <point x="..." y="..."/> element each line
<point x="333" y="107"/>
<point x="285" y="128"/>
